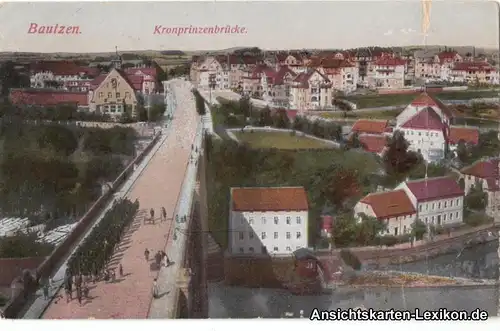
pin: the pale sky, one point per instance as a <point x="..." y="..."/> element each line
<point x="269" y="25"/>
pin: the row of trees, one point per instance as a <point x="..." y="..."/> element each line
<point x="62" y="112"/>
<point x="97" y="249"/>
<point x="200" y="103"/>
<point x="22" y="245"/>
<point x="58" y="170"/>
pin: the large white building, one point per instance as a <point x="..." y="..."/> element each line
<point x="268" y="220"/>
<point x="435" y="201"/>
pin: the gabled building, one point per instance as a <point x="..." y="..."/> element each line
<point x="57" y="74"/>
<point x="370" y="126"/>
<point x="486" y="174"/>
<point x="343" y="74"/>
<point x="267" y="220"/>
<point x="276" y="85"/>
<point x="311" y="90"/>
<point x="474" y="73"/>
<point x="439" y="201"/>
<point x="394" y="208"/>
<point x="467" y="135"/>
<point x="374" y="143"/>
<point x="114" y="94"/>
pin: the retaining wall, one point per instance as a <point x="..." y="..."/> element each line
<point x="11" y="268"/>
<point x="46" y="268"/>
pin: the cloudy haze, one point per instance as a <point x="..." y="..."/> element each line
<point x="269" y="25"/>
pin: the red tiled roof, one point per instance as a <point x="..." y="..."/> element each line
<point x="426" y="100"/>
<point x="269" y="199"/>
<point x="135" y="81"/>
<point x="482" y="169"/>
<point x="426" y="119"/>
<point x="468" y="135"/>
<point x="370" y="126"/>
<point x="434" y="188"/>
<point x="47" y="97"/>
<point x="97" y="81"/>
<point x="390" y="204"/>
<point x="303" y="78"/>
<point x="142" y="71"/>
<point x="446" y="56"/>
<point x="472" y="66"/>
<point x="373" y="143"/>
<point x="390" y="61"/>
<point x="63" y="68"/>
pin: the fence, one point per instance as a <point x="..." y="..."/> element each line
<point x="16" y="303"/>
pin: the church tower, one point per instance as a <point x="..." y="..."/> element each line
<point x="116" y="62"/>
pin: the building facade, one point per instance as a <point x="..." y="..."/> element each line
<point x="270" y="221"/>
<point x="311" y="90"/>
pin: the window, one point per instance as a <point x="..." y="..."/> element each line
<point x="275" y="248"/>
<point x="263" y="235"/>
<point x="456" y="214"/>
<point x="276" y="219"/>
<point x="263" y="219"/>
<point x="433" y="205"/>
<point x="110" y="94"/>
<point x="404" y="229"/>
<point x="439" y="205"/>
<point x="426" y="206"/>
<point x="250" y="221"/>
<point x="117" y="94"/>
<point x="288" y="248"/>
<point x="451" y="216"/>
<point x="420" y="208"/>
<point x="250" y="235"/>
<point x="458" y="202"/>
<point x="101" y="94"/>
<point x="241" y="250"/>
<point x="251" y="249"/>
<point x="445" y="204"/>
<point x="444" y="217"/>
<point x="288" y="220"/>
<point x="299" y="235"/>
<point x="298" y="220"/>
<point x="426" y="220"/>
<point x="127" y="95"/>
<point x="288" y="235"/>
<point x="242" y="236"/>
<point x="276" y="235"/>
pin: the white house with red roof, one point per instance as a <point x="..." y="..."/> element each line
<point x="55" y="74"/>
<point x="394" y="208"/>
<point x="276" y="84"/>
<point x="267" y="220"/>
<point x="487" y="174"/>
<point x="343" y="73"/>
<point x="437" y="67"/>
<point x="478" y="72"/>
<point x="387" y="72"/>
<point x="439" y="201"/>
<point x="310" y="90"/>
<point x="425" y="123"/>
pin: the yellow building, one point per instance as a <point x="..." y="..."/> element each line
<point x="113" y="94"/>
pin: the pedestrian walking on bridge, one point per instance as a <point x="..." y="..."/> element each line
<point x="152" y="214"/>
<point x="163" y="214"/>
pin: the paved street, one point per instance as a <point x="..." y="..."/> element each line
<point x="159" y="185"/>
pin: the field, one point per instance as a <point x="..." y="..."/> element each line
<point x="279" y="140"/>
<point x="372" y="101"/>
<point x="378" y="114"/>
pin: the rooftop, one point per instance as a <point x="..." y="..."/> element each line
<point x="467" y="134"/>
<point x="370" y="126"/>
<point x="389" y="204"/>
<point x="434" y="188"/>
<point x="269" y="199"/>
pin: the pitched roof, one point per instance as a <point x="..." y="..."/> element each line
<point x="269" y="198"/>
<point x="373" y="143"/>
<point x="473" y="66"/>
<point x="370" y="126"/>
<point x="434" y="188"/>
<point x="303" y="78"/>
<point x="142" y="71"/>
<point x="389" y="204"/>
<point x="390" y="61"/>
<point x="446" y="56"/>
<point x="63" y="68"/>
<point x="47" y="97"/>
<point x="426" y="100"/>
<point x="482" y="169"/>
<point x="425" y="119"/>
<point x="468" y="135"/>
<point x="135" y="81"/>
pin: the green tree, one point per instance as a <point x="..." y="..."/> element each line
<point x="156" y="112"/>
<point x="22" y="245"/>
<point x="462" y="151"/>
<point x="245" y="106"/>
<point x="476" y="199"/>
<point x="368" y="229"/>
<point x="142" y="113"/>
<point x="418" y="229"/>
<point x="280" y="119"/>
<point x="398" y="160"/>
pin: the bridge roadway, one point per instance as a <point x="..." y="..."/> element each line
<point x="159" y="185"/>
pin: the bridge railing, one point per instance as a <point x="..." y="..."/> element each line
<point x="17" y="302"/>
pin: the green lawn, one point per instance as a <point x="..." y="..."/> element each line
<point x="380" y="114"/>
<point x="279" y="140"/>
<point x="371" y="101"/>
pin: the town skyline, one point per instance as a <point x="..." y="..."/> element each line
<point x="451" y="23"/>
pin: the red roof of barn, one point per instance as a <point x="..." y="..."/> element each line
<point x="47" y="97"/>
<point x="370" y="126"/>
<point x="425" y="100"/>
<point x="487" y="170"/>
<point x="389" y="204"/>
<point x="468" y="135"/>
<point x="434" y="188"/>
<point x="373" y="143"/>
<point x="269" y="199"/>
<point x="425" y="119"/>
